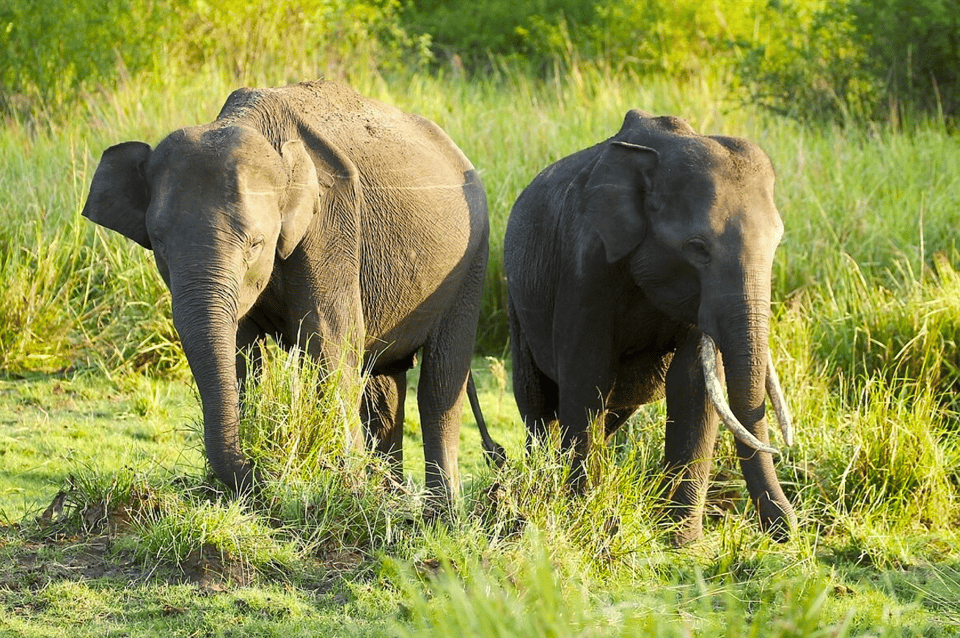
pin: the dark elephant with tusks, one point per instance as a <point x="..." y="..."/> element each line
<point x="327" y="221"/>
<point x="629" y="264"/>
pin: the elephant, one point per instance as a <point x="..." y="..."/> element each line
<point x="628" y="265"/>
<point x="327" y="221"/>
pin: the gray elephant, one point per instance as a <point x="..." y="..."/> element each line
<point x="626" y="263"/>
<point x="322" y="219"/>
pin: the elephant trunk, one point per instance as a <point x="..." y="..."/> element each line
<point x="744" y="349"/>
<point x="205" y="317"/>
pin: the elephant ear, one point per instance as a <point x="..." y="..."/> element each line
<point x="300" y="199"/>
<point x="119" y="195"/>
<point x="614" y="193"/>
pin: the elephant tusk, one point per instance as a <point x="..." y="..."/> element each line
<point x="775" y="392"/>
<point x="708" y="356"/>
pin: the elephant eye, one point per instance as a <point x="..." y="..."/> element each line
<point x="697" y="251"/>
<point x="253" y="251"/>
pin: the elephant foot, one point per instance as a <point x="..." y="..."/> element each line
<point x="689" y="531"/>
<point x="241" y="479"/>
<point x="683" y="497"/>
<point x="576" y="483"/>
<point x="687" y="523"/>
<point x="439" y="512"/>
<point x="776" y="519"/>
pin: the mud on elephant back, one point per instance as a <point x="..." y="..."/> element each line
<point x="628" y="264"/>
<point x="324" y="220"/>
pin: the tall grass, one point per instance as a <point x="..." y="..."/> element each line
<point x="539" y="598"/>
<point x="864" y="335"/>
<point x="520" y="554"/>
<point x="884" y="198"/>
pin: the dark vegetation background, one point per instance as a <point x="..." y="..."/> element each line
<point x="815" y="60"/>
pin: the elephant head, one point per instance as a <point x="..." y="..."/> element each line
<point x="217" y="205"/>
<point x="696" y="220"/>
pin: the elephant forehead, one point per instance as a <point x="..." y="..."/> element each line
<point x="229" y="159"/>
<point x="200" y="192"/>
<point x="689" y="194"/>
<point x="718" y="204"/>
<point x="217" y="153"/>
<point x="703" y="165"/>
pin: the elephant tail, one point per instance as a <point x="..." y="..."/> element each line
<point x="493" y="452"/>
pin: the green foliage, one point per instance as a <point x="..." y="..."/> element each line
<point x="309" y="37"/>
<point x="814" y="69"/>
<point x="807" y="58"/>
<point x="650" y="37"/>
<point x="50" y="49"/>
<point x="915" y="46"/>
<point x="848" y="61"/>
<point x="52" y="53"/>
<point x="858" y="60"/>
<point x="533" y="29"/>
<point x="678" y="39"/>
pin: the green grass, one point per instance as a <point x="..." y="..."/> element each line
<point x="112" y="524"/>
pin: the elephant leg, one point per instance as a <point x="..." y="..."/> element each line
<point x="576" y="416"/>
<point x="332" y="337"/>
<point x="443" y="381"/>
<point x="583" y="394"/>
<point x="537" y="395"/>
<point x="382" y="414"/>
<point x="446" y="361"/>
<point x="691" y="435"/>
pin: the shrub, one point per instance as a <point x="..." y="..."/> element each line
<point x="915" y="46"/>
<point x="532" y="29"/>
<point x="51" y="48"/>
<point x="675" y="38"/>
<point x="51" y="51"/>
<point x="859" y="60"/>
<point x="309" y="37"/>
<point x="814" y="71"/>
<point x="652" y="36"/>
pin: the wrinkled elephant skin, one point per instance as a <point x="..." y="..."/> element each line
<point x="623" y="262"/>
<point x="327" y="221"/>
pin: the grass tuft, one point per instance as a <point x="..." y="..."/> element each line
<point x="864" y="336"/>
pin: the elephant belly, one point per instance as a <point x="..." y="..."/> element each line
<point x="402" y="315"/>
<point x="397" y="346"/>
<point x="640" y="380"/>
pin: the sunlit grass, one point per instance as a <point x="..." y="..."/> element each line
<point x="865" y="327"/>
